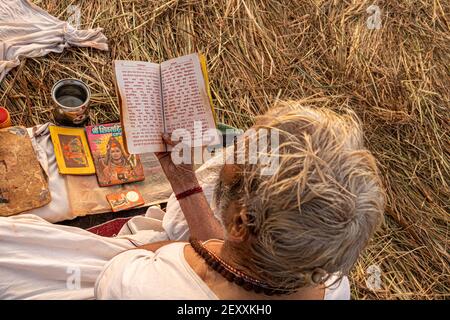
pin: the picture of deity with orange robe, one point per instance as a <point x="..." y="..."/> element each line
<point x="117" y="166"/>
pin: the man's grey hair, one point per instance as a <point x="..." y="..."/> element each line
<point x="320" y="207"/>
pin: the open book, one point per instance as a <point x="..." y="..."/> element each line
<point x="156" y="98"/>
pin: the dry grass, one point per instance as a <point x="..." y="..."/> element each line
<point x="321" y="52"/>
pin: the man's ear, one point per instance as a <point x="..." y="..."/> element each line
<point x="238" y="228"/>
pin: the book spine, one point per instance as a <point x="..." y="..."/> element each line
<point x="162" y="102"/>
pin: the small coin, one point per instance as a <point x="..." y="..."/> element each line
<point x="132" y="196"/>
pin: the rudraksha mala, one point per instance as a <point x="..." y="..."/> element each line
<point x="234" y="275"/>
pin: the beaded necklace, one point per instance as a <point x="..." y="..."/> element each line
<point x="234" y="275"/>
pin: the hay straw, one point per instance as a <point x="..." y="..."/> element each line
<point x="321" y="52"/>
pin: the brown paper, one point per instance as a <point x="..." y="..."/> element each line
<point x="23" y="185"/>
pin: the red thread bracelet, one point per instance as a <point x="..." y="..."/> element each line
<point x="188" y="193"/>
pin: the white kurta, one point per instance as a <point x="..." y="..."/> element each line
<point x="165" y="274"/>
<point x="38" y="258"/>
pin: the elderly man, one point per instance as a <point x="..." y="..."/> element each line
<point x="292" y="233"/>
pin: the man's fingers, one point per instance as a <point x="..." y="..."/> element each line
<point x="167" y="139"/>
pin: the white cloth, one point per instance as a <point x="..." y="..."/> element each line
<point x="143" y="274"/>
<point x="28" y="31"/>
<point x="165" y="274"/>
<point x="38" y="259"/>
<point x="145" y="229"/>
<point x="58" y="209"/>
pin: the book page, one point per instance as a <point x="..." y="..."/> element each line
<point x="185" y="99"/>
<point x="139" y="86"/>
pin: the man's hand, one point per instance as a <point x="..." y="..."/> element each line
<point x="199" y="216"/>
<point x="181" y="176"/>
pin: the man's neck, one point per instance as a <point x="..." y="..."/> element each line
<point x="227" y="252"/>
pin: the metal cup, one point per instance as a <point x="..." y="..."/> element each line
<point x="71" y="97"/>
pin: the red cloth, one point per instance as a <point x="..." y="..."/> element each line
<point x="110" y="228"/>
